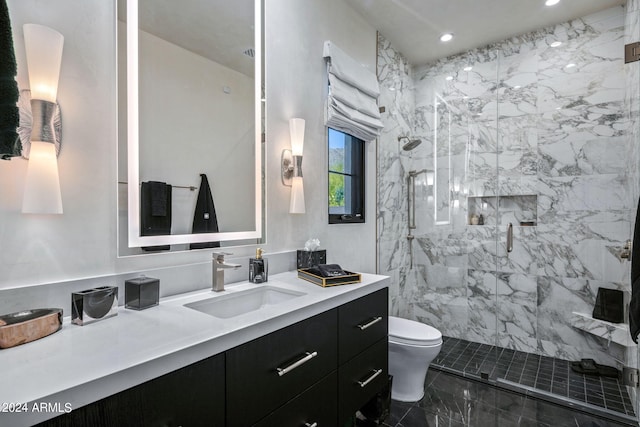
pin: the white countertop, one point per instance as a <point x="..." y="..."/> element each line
<point x="82" y="364"/>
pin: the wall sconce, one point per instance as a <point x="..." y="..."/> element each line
<point x="292" y="166"/>
<point x="40" y="122"/>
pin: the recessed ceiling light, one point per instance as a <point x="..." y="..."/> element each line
<point x="469" y="68"/>
<point x="571" y="65"/>
<point x="551" y="2"/>
<point x="555" y="44"/>
<point x="449" y="78"/>
<point x="446" y="37"/>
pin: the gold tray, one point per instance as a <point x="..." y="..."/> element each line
<point x="349" y="278"/>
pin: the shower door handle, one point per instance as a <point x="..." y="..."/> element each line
<point x="509" y="238"/>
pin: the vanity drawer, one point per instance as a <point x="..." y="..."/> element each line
<point x="361" y="378"/>
<point x="316" y="405"/>
<point x="362" y="323"/>
<point x="266" y="373"/>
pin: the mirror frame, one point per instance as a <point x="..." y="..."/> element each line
<point x="133" y="173"/>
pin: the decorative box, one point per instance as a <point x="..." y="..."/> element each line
<point x="29" y="325"/>
<point x="142" y="292"/>
<point x="95" y="304"/>
<point x="308" y="259"/>
<point x="309" y="276"/>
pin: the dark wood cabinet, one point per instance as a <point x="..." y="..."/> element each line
<point x="361" y="378"/>
<point x="316" y="406"/>
<point x="363" y="322"/>
<point x="320" y="370"/>
<point x="267" y="372"/>
<point x="191" y="396"/>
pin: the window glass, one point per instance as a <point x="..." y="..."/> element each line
<point x="346" y="178"/>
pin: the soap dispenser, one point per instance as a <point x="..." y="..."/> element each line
<point x="258" y="268"/>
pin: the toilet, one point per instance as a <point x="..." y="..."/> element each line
<point x="412" y="347"/>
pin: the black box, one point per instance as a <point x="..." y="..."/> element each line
<point x="142" y="292"/>
<point x="609" y="305"/>
<point x="308" y="259"/>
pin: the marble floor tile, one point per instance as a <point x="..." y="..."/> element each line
<point x="451" y="400"/>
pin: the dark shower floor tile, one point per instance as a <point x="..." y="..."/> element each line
<point x="551" y="378"/>
<point x="451" y="400"/>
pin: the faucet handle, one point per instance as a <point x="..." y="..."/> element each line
<point x="220" y="255"/>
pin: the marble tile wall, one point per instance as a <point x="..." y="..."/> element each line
<point x="559" y="140"/>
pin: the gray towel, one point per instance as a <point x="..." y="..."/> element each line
<point x="9" y="116"/>
<point x="634" y="304"/>
<point x="205" y="219"/>
<point x="158" y="194"/>
<point x="150" y="224"/>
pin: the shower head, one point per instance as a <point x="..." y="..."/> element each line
<point x="410" y="144"/>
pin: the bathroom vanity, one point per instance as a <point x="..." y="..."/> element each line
<point x="313" y="358"/>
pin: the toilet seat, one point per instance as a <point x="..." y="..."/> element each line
<point x="410" y="332"/>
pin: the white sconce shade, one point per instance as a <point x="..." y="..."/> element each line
<point x="296" y="128"/>
<point x="296" y="206"/>
<point x="292" y="166"/>
<point x="42" y="187"/>
<point x="44" y="56"/>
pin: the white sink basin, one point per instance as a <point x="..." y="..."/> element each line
<point x="241" y="302"/>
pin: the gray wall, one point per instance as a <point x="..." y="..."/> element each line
<point x="79" y="247"/>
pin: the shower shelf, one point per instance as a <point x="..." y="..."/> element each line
<point x="513" y="208"/>
<point x="617" y="332"/>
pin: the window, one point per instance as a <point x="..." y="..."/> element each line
<point x="346" y="178"/>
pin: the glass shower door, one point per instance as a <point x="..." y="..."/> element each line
<point x="566" y="170"/>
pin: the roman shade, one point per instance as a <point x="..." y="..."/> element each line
<point x="353" y="90"/>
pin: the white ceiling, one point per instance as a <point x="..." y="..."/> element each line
<point x="220" y="30"/>
<point x="414" y="26"/>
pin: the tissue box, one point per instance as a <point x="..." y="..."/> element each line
<point x="91" y="305"/>
<point x="308" y="259"/>
<point x="142" y="292"/>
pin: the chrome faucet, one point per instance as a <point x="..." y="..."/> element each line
<point x="219" y="265"/>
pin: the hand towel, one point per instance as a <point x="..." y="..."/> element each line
<point x="150" y="223"/>
<point x="204" y="217"/>
<point x="634" y="305"/>
<point x="9" y="116"/>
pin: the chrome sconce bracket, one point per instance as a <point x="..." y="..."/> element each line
<point x="39" y="121"/>
<point x="291" y="167"/>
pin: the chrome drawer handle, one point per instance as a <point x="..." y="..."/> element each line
<point x="310" y="425"/>
<point x="373" y="322"/>
<point x="375" y="373"/>
<point x="308" y="356"/>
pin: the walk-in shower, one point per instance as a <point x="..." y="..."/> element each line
<point x="524" y="140"/>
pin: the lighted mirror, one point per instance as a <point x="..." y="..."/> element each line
<point x="191" y="75"/>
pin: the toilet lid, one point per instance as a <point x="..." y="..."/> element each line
<point x="412" y="332"/>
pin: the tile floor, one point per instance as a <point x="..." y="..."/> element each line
<point x="451" y="400"/>
<point x="550" y="378"/>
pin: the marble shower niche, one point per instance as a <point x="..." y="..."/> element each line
<point x="519" y="210"/>
<point x="532" y="142"/>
